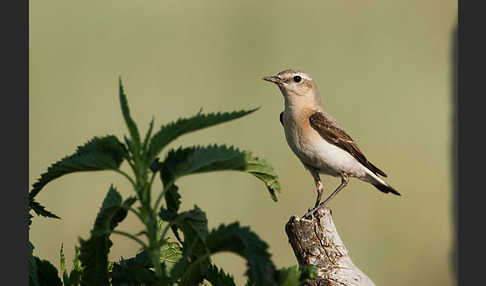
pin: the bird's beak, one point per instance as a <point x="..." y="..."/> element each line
<point x="274" y="79"/>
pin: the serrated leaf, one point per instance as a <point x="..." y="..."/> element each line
<point x="74" y="277"/>
<point x="33" y="278"/>
<point x="136" y="271"/>
<point x="65" y="276"/>
<point x="130" y="146"/>
<point x="135" y="275"/>
<point x="76" y="261"/>
<point x="94" y="259"/>
<point x="40" y="210"/>
<point x="173" y="199"/>
<point x="242" y="241"/>
<point x="105" y="153"/>
<point x="173" y="202"/>
<point x="147" y="136"/>
<point x="47" y="273"/>
<point x="217" y="277"/>
<point x="264" y="171"/>
<point x="132" y="127"/>
<point x="173" y="130"/>
<point x="232" y="238"/>
<point x="141" y="258"/>
<point x="94" y="251"/>
<point x="194" y="226"/>
<point x="192" y="160"/>
<point x="112" y="212"/>
<point x="170" y="253"/>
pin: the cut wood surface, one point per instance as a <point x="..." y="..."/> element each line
<point x="315" y="241"/>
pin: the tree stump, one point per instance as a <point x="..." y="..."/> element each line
<point x="315" y="241"/>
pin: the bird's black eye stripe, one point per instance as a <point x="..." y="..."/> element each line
<point x="297" y="78"/>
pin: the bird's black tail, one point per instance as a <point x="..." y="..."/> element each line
<point x="386" y="189"/>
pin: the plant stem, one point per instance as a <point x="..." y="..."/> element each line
<point x="151" y="180"/>
<point x="129" y="235"/>
<point x="147" y="215"/>
<point x="126" y="176"/>
<point x="139" y="215"/>
<point x="152" y="233"/>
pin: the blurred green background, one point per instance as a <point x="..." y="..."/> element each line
<point x="383" y="69"/>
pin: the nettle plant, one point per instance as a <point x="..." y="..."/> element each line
<point x="186" y="261"/>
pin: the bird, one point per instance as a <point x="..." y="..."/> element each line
<point x="318" y="140"/>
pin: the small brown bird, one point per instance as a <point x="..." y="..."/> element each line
<point x="318" y="140"/>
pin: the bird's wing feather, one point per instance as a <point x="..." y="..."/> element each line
<point x="337" y="136"/>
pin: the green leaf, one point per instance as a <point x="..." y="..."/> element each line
<point x="142" y="259"/>
<point x="194" y="226"/>
<point x="173" y="201"/>
<point x="73" y="278"/>
<point x="41" y="210"/>
<point x="135" y="275"/>
<point x="244" y="242"/>
<point x="33" y="278"/>
<point x="129" y="143"/>
<point x="112" y="212"/>
<point x="47" y="273"/>
<point x="147" y="136"/>
<point x="170" y="254"/>
<point x="264" y="171"/>
<point x="198" y="247"/>
<point x="94" y="259"/>
<point x="105" y="153"/>
<point x="173" y="130"/>
<point x="308" y="272"/>
<point x="136" y="271"/>
<point x="289" y="276"/>
<point x="172" y="198"/>
<point x="132" y="127"/>
<point x="94" y="251"/>
<point x="192" y="160"/>
<point x="295" y="276"/>
<point x="65" y="276"/>
<point x="218" y="277"/>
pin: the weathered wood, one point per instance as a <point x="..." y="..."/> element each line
<point x="315" y="241"/>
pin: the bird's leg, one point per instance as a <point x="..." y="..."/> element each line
<point x="319" y="186"/>
<point x="344" y="183"/>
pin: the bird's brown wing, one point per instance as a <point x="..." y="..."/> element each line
<point x="335" y="135"/>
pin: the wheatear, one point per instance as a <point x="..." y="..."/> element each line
<point x="317" y="139"/>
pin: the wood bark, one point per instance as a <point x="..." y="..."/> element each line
<point x="315" y="241"/>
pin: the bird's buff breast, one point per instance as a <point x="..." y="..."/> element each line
<point x="316" y="152"/>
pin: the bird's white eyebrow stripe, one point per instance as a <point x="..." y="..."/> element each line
<point x="303" y="75"/>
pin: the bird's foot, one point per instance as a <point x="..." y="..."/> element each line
<point x="311" y="211"/>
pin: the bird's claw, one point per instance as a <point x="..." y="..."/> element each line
<point x="311" y="211"/>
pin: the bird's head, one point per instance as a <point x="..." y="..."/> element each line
<point x="297" y="87"/>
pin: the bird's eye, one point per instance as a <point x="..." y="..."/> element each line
<point x="297" y="78"/>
